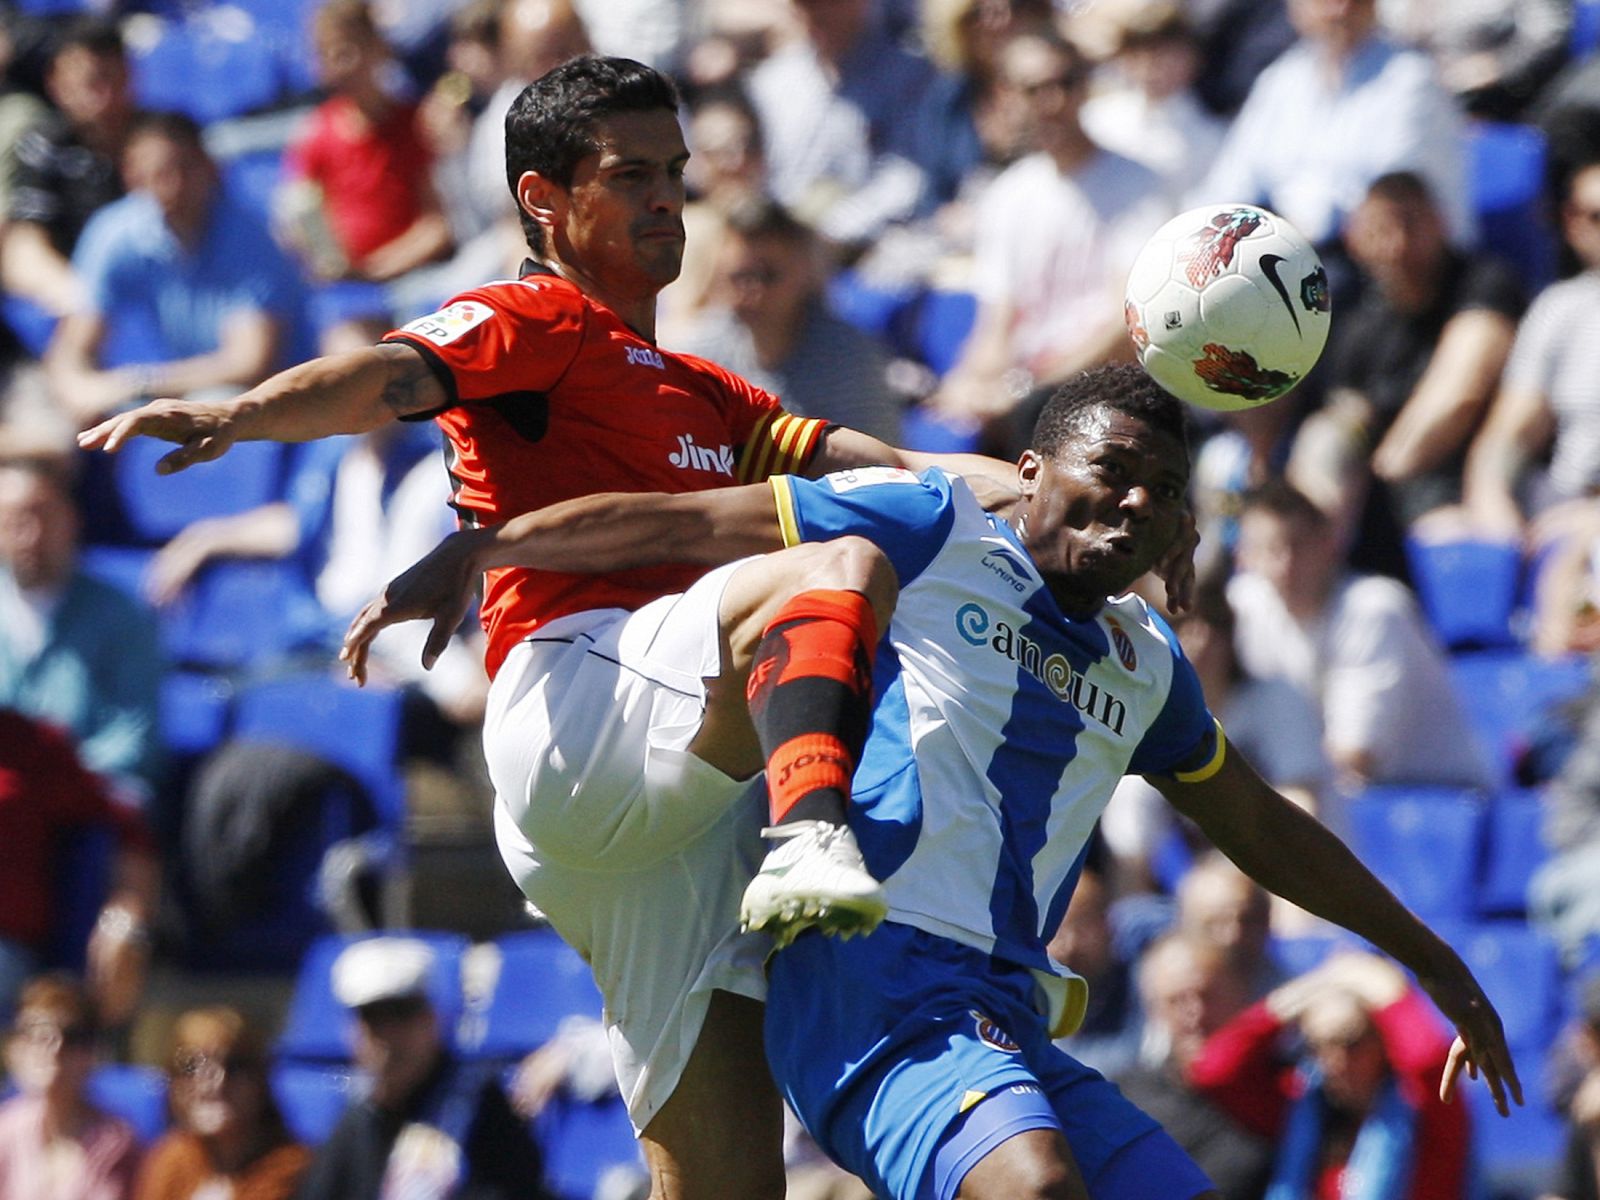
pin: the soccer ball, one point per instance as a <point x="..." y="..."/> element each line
<point x="1227" y="306"/>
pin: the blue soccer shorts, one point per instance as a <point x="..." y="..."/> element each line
<point x="909" y="1057"/>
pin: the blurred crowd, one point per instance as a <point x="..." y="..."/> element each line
<point x="911" y="217"/>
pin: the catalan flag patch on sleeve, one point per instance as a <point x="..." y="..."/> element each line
<point x="780" y="444"/>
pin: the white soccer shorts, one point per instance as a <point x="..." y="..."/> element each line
<point x="635" y="850"/>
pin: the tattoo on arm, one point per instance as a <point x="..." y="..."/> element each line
<point x="409" y="387"/>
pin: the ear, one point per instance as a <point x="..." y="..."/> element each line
<point x="541" y="198"/>
<point x="1029" y="468"/>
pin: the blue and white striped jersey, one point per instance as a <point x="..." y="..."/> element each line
<point x="1001" y="726"/>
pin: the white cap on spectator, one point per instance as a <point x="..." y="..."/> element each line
<point x="382" y="968"/>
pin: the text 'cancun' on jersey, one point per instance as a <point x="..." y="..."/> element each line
<point x="552" y="396"/>
<point x="1001" y="725"/>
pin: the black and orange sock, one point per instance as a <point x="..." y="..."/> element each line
<point x="810" y="695"/>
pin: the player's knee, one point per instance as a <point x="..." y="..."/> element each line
<point x="1051" y="1179"/>
<point x="855" y="564"/>
<point x="1032" y="1166"/>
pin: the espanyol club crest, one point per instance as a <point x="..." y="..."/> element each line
<point x="1123" y="644"/>
<point x="991" y="1034"/>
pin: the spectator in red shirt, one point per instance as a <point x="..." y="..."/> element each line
<point x="45" y="795"/>
<point x="365" y="155"/>
<point x="1359" y="1116"/>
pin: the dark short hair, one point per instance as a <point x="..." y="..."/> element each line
<point x="1400" y="187"/>
<point x="98" y="35"/>
<point x="1282" y="499"/>
<point x="551" y="125"/>
<point x="760" y="217"/>
<point x="1123" y="388"/>
<point x="178" y="128"/>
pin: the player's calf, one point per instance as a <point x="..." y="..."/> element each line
<point x="810" y="697"/>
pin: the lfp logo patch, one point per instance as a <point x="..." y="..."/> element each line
<point x="449" y="323"/>
<point x="992" y="1035"/>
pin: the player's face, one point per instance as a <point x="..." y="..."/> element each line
<point x="1103" y="511"/>
<point x="621" y="221"/>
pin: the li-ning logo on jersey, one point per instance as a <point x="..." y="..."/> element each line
<point x="690" y="457"/>
<point x="644" y="356"/>
<point x="991" y="1034"/>
<point x="1007" y="564"/>
<point x="1123" y="644"/>
<point x="974" y="626"/>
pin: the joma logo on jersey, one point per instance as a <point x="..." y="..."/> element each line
<point x="690" y="457"/>
<point x="644" y="356"/>
<point x="1053" y="670"/>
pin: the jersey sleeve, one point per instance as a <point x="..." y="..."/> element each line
<point x="777" y="443"/>
<point x="499" y="340"/>
<point x="907" y="516"/>
<point x="770" y="441"/>
<point x="1185" y="740"/>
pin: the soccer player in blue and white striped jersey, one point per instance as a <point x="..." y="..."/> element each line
<point x="1010" y="695"/>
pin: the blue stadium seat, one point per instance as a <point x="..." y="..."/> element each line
<point x="158" y="506"/>
<point x="137" y="1094"/>
<point x="312" y="1098"/>
<point x="1514" y="849"/>
<point x="1507" y="694"/>
<point x="253" y="177"/>
<point x="211" y="63"/>
<point x="1516" y="1155"/>
<point x="354" y="728"/>
<point x="195" y="709"/>
<point x="1467" y="589"/>
<point x="922" y="429"/>
<point x="83" y="873"/>
<point x="122" y="567"/>
<point x="868" y="307"/>
<point x="1425" y="843"/>
<point x="1520" y="971"/>
<point x="939" y="324"/>
<point x="317" y="1027"/>
<point x="1585" y="36"/>
<point x="32" y="325"/>
<point x="582" y="1142"/>
<point x="1507" y="181"/>
<point x="1303" y="952"/>
<point x="542" y="981"/>
<point x="241" y="614"/>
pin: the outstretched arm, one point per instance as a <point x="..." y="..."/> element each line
<point x="994" y="482"/>
<point x="339" y="393"/>
<point x="611" y="531"/>
<point x="1289" y="853"/>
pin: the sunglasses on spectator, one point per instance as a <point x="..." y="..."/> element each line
<point x="48" y="1033"/>
<point x="190" y="1063"/>
<point x="1066" y="81"/>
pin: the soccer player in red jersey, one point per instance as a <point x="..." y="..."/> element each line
<point x="628" y="712"/>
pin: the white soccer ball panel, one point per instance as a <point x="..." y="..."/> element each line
<point x="1242" y="313"/>
<point x="1233" y="311"/>
<point x="1152" y="270"/>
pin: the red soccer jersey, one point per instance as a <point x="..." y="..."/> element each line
<point x="552" y="397"/>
